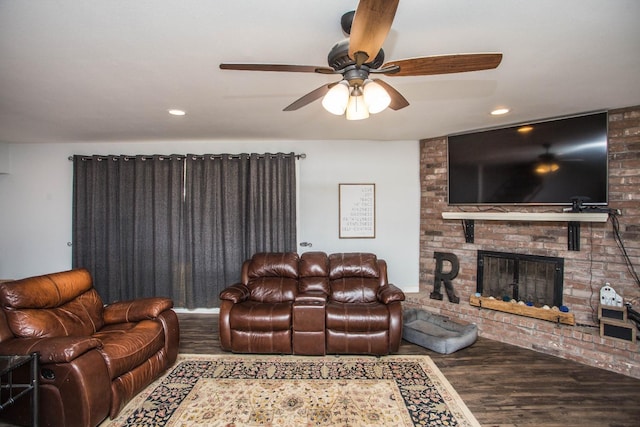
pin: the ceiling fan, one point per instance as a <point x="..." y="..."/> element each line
<point x="546" y="162"/>
<point x="549" y="162"/>
<point x="361" y="55"/>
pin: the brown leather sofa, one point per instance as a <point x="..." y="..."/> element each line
<point x="312" y="304"/>
<point x="93" y="358"/>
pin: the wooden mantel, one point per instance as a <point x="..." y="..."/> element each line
<point x="572" y="218"/>
<point x="529" y="216"/>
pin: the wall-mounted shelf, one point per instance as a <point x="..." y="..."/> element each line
<point x="529" y="216"/>
<point x="523" y="310"/>
<point x="572" y="218"/>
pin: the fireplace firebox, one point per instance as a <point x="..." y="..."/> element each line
<point x="534" y="280"/>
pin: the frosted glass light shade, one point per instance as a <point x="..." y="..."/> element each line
<point x="357" y="108"/>
<point x="376" y="98"/>
<point x="335" y="101"/>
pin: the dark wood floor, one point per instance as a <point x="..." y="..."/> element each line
<point x="502" y="385"/>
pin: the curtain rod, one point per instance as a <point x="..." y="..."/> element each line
<point x="195" y="156"/>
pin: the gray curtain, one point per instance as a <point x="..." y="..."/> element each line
<point x="179" y="226"/>
<point x="236" y="206"/>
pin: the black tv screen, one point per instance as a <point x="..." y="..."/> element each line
<point x="548" y="162"/>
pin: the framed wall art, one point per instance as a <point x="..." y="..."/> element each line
<point x="357" y="211"/>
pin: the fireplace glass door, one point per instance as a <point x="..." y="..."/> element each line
<point x="532" y="279"/>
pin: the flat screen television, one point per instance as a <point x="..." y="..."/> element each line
<point x="550" y="162"/>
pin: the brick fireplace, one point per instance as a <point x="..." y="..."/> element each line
<point x="599" y="259"/>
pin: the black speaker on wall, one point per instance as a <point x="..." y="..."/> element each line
<point x="612" y="312"/>
<point x="624" y="331"/>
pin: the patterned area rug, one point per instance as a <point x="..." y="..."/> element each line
<point x="249" y="390"/>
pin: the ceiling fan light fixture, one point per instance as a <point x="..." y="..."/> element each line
<point x="547" y="163"/>
<point x="545" y="168"/>
<point x="357" y="108"/>
<point x="335" y="101"/>
<point x="376" y="98"/>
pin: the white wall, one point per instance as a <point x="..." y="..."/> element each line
<point x="5" y="158"/>
<point x="394" y="168"/>
<point x="35" y="198"/>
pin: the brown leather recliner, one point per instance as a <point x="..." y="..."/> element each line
<point x="364" y="312"/>
<point x="312" y="304"/>
<point x="93" y="358"/>
<point x="255" y="314"/>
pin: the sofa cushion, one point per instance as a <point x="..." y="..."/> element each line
<point x="354" y="290"/>
<point x="47" y="291"/>
<point x="273" y="277"/>
<point x="81" y="316"/>
<point x="127" y="345"/>
<point x="257" y="317"/>
<point x="353" y="265"/>
<point x="354" y="277"/>
<point x="273" y="290"/>
<point x="52" y="305"/>
<point x="354" y="318"/>
<point x="273" y="264"/>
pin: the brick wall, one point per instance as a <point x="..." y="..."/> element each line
<point x="600" y="260"/>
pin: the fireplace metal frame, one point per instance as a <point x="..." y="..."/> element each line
<point x="557" y="262"/>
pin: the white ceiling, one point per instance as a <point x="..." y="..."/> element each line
<point x="108" y="70"/>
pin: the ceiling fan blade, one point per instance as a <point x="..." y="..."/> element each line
<point x="279" y="67"/>
<point x="444" y="64"/>
<point x="370" y="27"/>
<point x="397" y="100"/>
<point x="310" y="97"/>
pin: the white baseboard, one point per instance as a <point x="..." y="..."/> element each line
<point x="196" y="310"/>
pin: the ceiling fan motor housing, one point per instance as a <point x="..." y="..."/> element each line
<point x="339" y="59"/>
<point x="356" y="75"/>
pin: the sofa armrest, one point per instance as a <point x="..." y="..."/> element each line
<point x="390" y="293"/>
<point x="235" y="293"/>
<point x="52" y="350"/>
<point x="136" y="310"/>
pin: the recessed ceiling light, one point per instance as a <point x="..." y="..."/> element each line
<point x="499" y="111"/>
<point x="175" y="112"/>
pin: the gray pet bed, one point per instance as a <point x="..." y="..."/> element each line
<point x="436" y="332"/>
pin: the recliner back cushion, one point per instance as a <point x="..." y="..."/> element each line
<point x="354" y="290"/>
<point x="354" y="277"/>
<point x="273" y="277"/>
<point x="273" y="289"/>
<point x="273" y="264"/>
<point x="53" y="305"/>
<point x="353" y="265"/>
